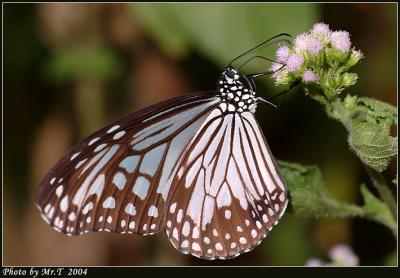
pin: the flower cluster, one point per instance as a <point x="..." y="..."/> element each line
<point x="318" y="57"/>
<point x="341" y="255"/>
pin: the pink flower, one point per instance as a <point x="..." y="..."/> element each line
<point x="276" y="70"/>
<point x="294" y="62"/>
<point x="314" y="262"/>
<point x="341" y="40"/>
<point x="320" y="29"/>
<point x="314" y="46"/>
<point x="282" y="53"/>
<point x="343" y="255"/>
<point x="307" y="42"/>
<point x="276" y="67"/>
<point x="300" y="42"/>
<point x="309" y="76"/>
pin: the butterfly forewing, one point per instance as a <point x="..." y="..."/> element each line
<point x="119" y="178"/>
<point x="229" y="191"/>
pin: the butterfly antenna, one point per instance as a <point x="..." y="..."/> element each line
<point x="268" y="101"/>
<point x="254" y="57"/>
<point x="259" y="45"/>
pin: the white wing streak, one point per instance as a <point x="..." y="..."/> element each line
<point x="228" y="197"/>
<point x="123" y="186"/>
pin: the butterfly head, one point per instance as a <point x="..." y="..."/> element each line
<point x="238" y="96"/>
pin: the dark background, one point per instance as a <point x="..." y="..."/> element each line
<point x="70" y="69"/>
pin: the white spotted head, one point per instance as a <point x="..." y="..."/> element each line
<point x="232" y="90"/>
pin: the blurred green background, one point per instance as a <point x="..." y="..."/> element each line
<point x="70" y="69"/>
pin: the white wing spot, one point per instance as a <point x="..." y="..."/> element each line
<point x="172" y="208"/>
<point x="88" y="219"/>
<point x="123" y="223"/>
<point x="153" y="211"/>
<point x="218" y="246"/>
<point x="206" y="240"/>
<point x="209" y="251"/>
<point x="227" y="236"/>
<point x="109" y="219"/>
<point x="228" y="214"/>
<point x="259" y="208"/>
<point x="186" y="228"/>
<point x="259" y="225"/>
<point x="119" y="135"/>
<point x="100" y="147"/>
<point x="247" y="222"/>
<point x="87" y="208"/>
<point x="113" y="128"/>
<point x="100" y="218"/>
<point x="153" y="226"/>
<point x="282" y="197"/>
<point x="59" y="191"/>
<point x="74" y="155"/>
<point x="72" y="216"/>
<point x="109" y="203"/>
<point x="130" y="209"/>
<point x="215" y="232"/>
<point x="119" y="180"/>
<point x="175" y="234"/>
<point x="270" y="211"/>
<point x="196" y="246"/>
<point x="276" y="207"/>
<point x="51" y="212"/>
<point x="64" y="204"/>
<point x="265" y="218"/>
<point x="169" y="223"/>
<point x="47" y="208"/>
<point x="179" y="216"/>
<point x="185" y="243"/>
<point x="141" y="187"/>
<point x="129" y="163"/>
<point x="132" y="225"/>
<point x="80" y="163"/>
<point x="253" y="233"/>
<point x="242" y="240"/>
<point x="196" y="232"/>
<point x="233" y="245"/>
<point x="93" y="141"/>
<point x="52" y="180"/>
<point x="144" y="227"/>
<point x="239" y="229"/>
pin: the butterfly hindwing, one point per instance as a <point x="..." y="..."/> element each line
<point x="118" y="179"/>
<point x="229" y="191"/>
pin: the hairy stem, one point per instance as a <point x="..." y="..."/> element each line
<point x="383" y="189"/>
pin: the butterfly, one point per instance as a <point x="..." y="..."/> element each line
<point x="197" y="166"/>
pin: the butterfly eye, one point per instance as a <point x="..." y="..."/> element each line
<point x="230" y="73"/>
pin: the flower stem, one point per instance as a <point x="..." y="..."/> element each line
<point x="382" y="187"/>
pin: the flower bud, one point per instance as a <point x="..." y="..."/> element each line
<point x="349" y="79"/>
<point x="354" y="58"/>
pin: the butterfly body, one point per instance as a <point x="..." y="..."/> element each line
<point x="237" y="96"/>
<point x="197" y="166"/>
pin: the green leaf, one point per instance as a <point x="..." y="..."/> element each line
<point x="82" y="61"/>
<point x="221" y="31"/>
<point x="309" y="197"/>
<point x="368" y="122"/>
<point x="377" y="210"/>
<point x="308" y="194"/>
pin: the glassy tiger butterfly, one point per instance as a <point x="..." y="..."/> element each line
<point x="197" y="166"/>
